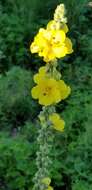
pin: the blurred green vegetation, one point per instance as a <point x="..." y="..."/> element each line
<point x="72" y="150"/>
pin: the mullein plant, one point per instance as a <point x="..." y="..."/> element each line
<point x="51" y="43"/>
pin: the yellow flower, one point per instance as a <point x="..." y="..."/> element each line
<point x="56" y="46"/>
<point x="64" y="27"/>
<point x="46" y="181"/>
<point x="40" y="75"/>
<point x="47" y="91"/>
<point x="53" y="25"/>
<point x="51" y="43"/>
<point x="39" y="42"/>
<point x="68" y="44"/>
<point x="61" y="49"/>
<point x="57" y="122"/>
<point x="50" y="188"/>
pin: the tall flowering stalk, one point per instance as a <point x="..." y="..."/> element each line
<point x="50" y="43"/>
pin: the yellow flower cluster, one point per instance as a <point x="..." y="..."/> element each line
<point x="47" y="182"/>
<point x="48" y="90"/>
<point x="57" y="122"/>
<point x="51" y="43"/>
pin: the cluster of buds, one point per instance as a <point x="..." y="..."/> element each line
<point x="59" y="15"/>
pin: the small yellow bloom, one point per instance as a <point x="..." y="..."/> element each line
<point x="53" y="25"/>
<point x="46" y="181"/>
<point x="50" y="91"/>
<point x="64" y="27"/>
<point x="39" y="42"/>
<point x="47" y="91"/>
<point x="57" y="122"/>
<point x="56" y="46"/>
<point x="40" y="75"/>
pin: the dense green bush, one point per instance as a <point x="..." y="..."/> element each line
<point x="17" y="165"/>
<point x="17" y="26"/>
<point x="20" y="21"/>
<point x="71" y="154"/>
<point x="16" y="104"/>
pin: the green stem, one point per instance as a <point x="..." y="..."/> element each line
<point x="45" y="138"/>
<point x="45" y="142"/>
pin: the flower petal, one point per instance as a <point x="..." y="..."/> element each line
<point x="35" y="92"/>
<point x="68" y="44"/>
<point x="59" y="51"/>
<point x="46" y="180"/>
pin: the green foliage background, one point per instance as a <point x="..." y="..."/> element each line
<point x="72" y="150"/>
